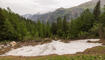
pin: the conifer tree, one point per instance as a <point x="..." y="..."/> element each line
<point x="97" y="11"/>
<point x="65" y="27"/>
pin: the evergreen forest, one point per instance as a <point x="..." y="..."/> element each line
<point x="88" y="25"/>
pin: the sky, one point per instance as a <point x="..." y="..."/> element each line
<point x="38" y="6"/>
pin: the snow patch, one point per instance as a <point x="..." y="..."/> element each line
<point x="55" y="47"/>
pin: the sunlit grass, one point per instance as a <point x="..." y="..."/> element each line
<point x="55" y="57"/>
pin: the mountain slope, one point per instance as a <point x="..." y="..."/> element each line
<point x="70" y="13"/>
<point x="91" y="4"/>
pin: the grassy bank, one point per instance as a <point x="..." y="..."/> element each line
<point x="55" y="57"/>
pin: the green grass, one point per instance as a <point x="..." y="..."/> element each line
<point x="64" y="57"/>
<point x="83" y="57"/>
<point x="95" y="50"/>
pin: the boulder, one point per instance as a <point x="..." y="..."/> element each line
<point x="13" y="43"/>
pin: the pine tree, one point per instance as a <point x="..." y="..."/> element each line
<point x="59" y="26"/>
<point x="97" y="11"/>
<point x="54" y="28"/>
<point x="65" y="27"/>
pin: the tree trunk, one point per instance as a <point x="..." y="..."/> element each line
<point x="101" y="32"/>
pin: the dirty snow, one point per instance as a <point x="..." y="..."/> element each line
<point x="54" y="47"/>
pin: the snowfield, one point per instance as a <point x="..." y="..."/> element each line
<point x="54" y="47"/>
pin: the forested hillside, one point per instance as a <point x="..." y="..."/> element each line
<point x="88" y="25"/>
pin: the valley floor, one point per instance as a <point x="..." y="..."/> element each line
<point x="60" y="57"/>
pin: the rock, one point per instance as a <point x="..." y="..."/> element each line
<point x="46" y="39"/>
<point x="8" y="45"/>
<point x="13" y="43"/>
<point x="2" y="46"/>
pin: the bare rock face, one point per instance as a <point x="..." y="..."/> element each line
<point x="13" y="43"/>
<point x="95" y="0"/>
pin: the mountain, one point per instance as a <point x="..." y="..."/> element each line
<point x="70" y="13"/>
<point x="91" y="4"/>
<point x="27" y="16"/>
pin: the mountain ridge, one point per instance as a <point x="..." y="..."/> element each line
<point x="70" y="13"/>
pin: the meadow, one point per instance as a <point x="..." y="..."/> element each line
<point x="55" y="57"/>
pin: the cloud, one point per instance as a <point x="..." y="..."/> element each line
<point x="35" y="6"/>
<point x="46" y="2"/>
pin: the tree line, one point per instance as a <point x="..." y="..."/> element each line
<point x="87" y="25"/>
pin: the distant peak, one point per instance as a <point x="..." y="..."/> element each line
<point x="60" y="8"/>
<point x="96" y="0"/>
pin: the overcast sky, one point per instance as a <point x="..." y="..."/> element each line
<point x="38" y="6"/>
